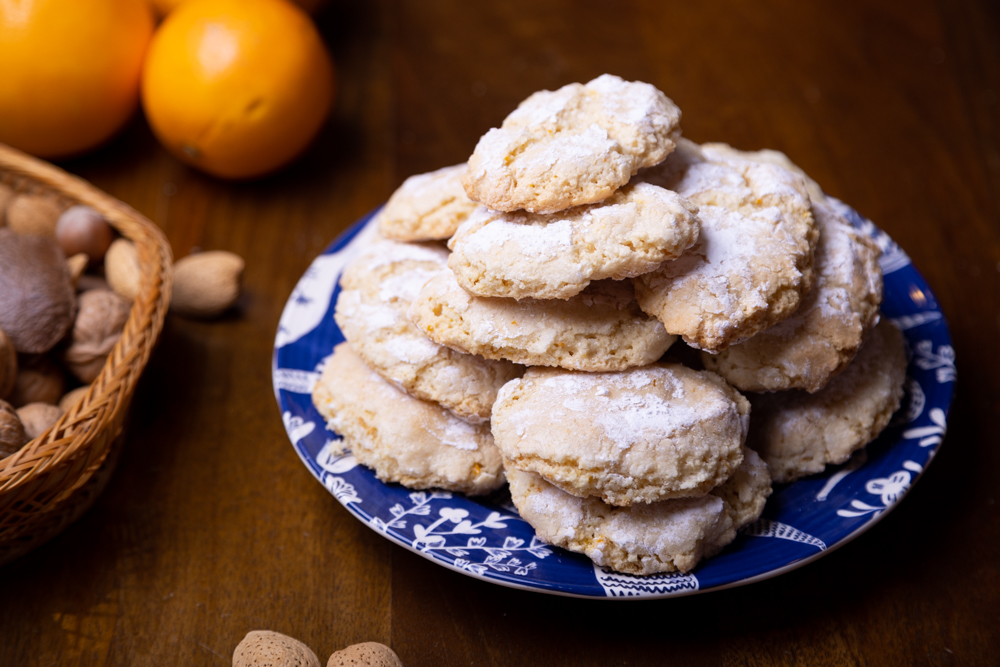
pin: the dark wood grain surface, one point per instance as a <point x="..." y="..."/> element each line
<point x="211" y="526"/>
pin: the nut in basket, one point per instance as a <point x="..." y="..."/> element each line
<point x="49" y="481"/>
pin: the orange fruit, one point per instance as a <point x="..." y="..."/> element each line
<point x="70" y="71"/>
<point x="163" y="7"/>
<point x="237" y="88"/>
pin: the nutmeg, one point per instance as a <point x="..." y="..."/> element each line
<point x="101" y="316"/>
<point x="38" y="418"/>
<point x="34" y="215"/>
<point x="12" y="435"/>
<point x="81" y="229"/>
<point x="263" y="647"/>
<point x="8" y="365"/>
<point x="37" y="302"/>
<point x="206" y="284"/>
<point x="369" y="654"/>
<point x="121" y="268"/>
<point x="39" y="380"/>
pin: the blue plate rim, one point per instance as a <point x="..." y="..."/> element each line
<point x="894" y="259"/>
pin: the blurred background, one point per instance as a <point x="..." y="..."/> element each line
<point x="212" y="527"/>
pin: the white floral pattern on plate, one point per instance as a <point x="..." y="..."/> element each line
<point x="484" y="538"/>
<point x="889" y="490"/>
<point x="942" y="361"/>
<point x="435" y="536"/>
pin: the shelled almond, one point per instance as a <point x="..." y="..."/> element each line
<point x="121" y="269"/>
<point x="206" y="284"/>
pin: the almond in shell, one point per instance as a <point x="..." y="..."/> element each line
<point x="206" y="284"/>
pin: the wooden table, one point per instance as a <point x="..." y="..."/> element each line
<point x="211" y="526"/>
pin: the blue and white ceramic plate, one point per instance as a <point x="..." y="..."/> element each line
<point x="486" y="539"/>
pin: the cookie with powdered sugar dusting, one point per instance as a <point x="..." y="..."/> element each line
<point x="600" y="329"/>
<point x="528" y="255"/>
<point x="644" y="538"/>
<point x="770" y="156"/>
<point x="824" y="334"/>
<point x="798" y="433"/>
<point x="404" y="439"/>
<point x="572" y="146"/>
<point x="752" y="263"/>
<point x="638" y="436"/>
<point x="377" y="290"/>
<point x="427" y="207"/>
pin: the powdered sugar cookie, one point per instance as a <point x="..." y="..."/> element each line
<point x="638" y="436"/>
<point x="642" y="539"/>
<point x="771" y="156"/>
<point x="572" y="146"/>
<point x="799" y="433"/>
<point x="521" y="255"/>
<point x="824" y="334"/>
<point x="371" y="311"/>
<point x="753" y="261"/>
<point x="416" y="443"/>
<point x="600" y="329"/>
<point x="427" y="207"/>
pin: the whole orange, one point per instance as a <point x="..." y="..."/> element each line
<point x="69" y="71"/>
<point x="164" y="7"/>
<point x="237" y="88"/>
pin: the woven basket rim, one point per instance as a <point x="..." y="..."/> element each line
<point x="47" y="470"/>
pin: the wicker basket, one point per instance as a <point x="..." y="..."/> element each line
<point x="53" y="479"/>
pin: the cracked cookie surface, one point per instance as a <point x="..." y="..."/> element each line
<point x="770" y="156"/>
<point x="377" y="290"/>
<point x="600" y="329"/>
<point x="404" y="439"/>
<point x="638" y="436"/>
<point x="752" y="263"/>
<point x="427" y="207"/>
<point x="816" y="343"/>
<point x="798" y="433"/>
<point x="527" y="255"/>
<point x="666" y="536"/>
<point x="572" y="146"/>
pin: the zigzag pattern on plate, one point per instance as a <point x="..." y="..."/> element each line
<point x="291" y="379"/>
<point x="768" y="528"/>
<point x="619" y="585"/>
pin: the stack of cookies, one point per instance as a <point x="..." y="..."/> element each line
<point x="586" y="236"/>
